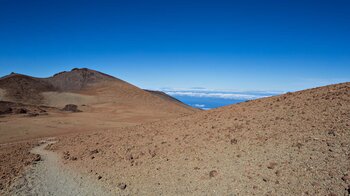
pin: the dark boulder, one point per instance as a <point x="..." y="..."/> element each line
<point x="21" y="111"/>
<point x="5" y="108"/>
<point x="71" y="108"/>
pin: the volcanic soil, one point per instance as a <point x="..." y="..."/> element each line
<point x="128" y="141"/>
<point x="293" y="144"/>
<point x="80" y="100"/>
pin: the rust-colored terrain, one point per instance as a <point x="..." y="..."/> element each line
<point x="136" y="142"/>
<point x="105" y="102"/>
<point x="33" y="108"/>
<point x="293" y="144"/>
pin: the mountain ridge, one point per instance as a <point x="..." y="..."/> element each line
<point x="82" y="86"/>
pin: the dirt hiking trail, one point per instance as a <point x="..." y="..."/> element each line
<point x="49" y="177"/>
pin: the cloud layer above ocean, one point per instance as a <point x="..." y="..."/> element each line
<point x="222" y="94"/>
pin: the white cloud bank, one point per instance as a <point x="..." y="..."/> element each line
<point x="223" y="94"/>
<point x="199" y="105"/>
<point x="214" y="95"/>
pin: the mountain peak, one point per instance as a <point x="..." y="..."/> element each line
<point x="78" y="78"/>
<point x="82" y="86"/>
<point x="81" y="69"/>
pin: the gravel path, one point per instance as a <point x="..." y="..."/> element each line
<point x="50" y="177"/>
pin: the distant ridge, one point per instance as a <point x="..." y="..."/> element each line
<point x="77" y="79"/>
<point x="163" y="95"/>
<point x="84" y="86"/>
<point x="22" y="88"/>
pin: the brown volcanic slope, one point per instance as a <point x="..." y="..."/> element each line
<point x="78" y="79"/>
<point x="84" y="87"/>
<point x="106" y="102"/>
<point x="22" y="88"/>
<point x="164" y="96"/>
<point x="293" y="144"/>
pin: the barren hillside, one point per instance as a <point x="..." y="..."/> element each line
<point x="144" y="142"/>
<point x="78" y="79"/>
<point x="105" y="101"/>
<point x="85" y="87"/>
<point x="293" y="144"/>
<point x="22" y="88"/>
<point x="33" y="108"/>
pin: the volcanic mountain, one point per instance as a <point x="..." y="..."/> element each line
<point x="136" y="142"/>
<point x="80" y="100"/>
<point x="85" y="87"/>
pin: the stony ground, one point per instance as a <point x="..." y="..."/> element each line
<point x="49" y="177"/>
<point x="294" y="144"/>
<point x="14" y="157"/>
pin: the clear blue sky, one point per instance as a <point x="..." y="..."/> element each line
<point x="243" y="45"/>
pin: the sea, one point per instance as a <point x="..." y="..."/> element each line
<point x="207" y="99"/>
<point x="207" y="103"/>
